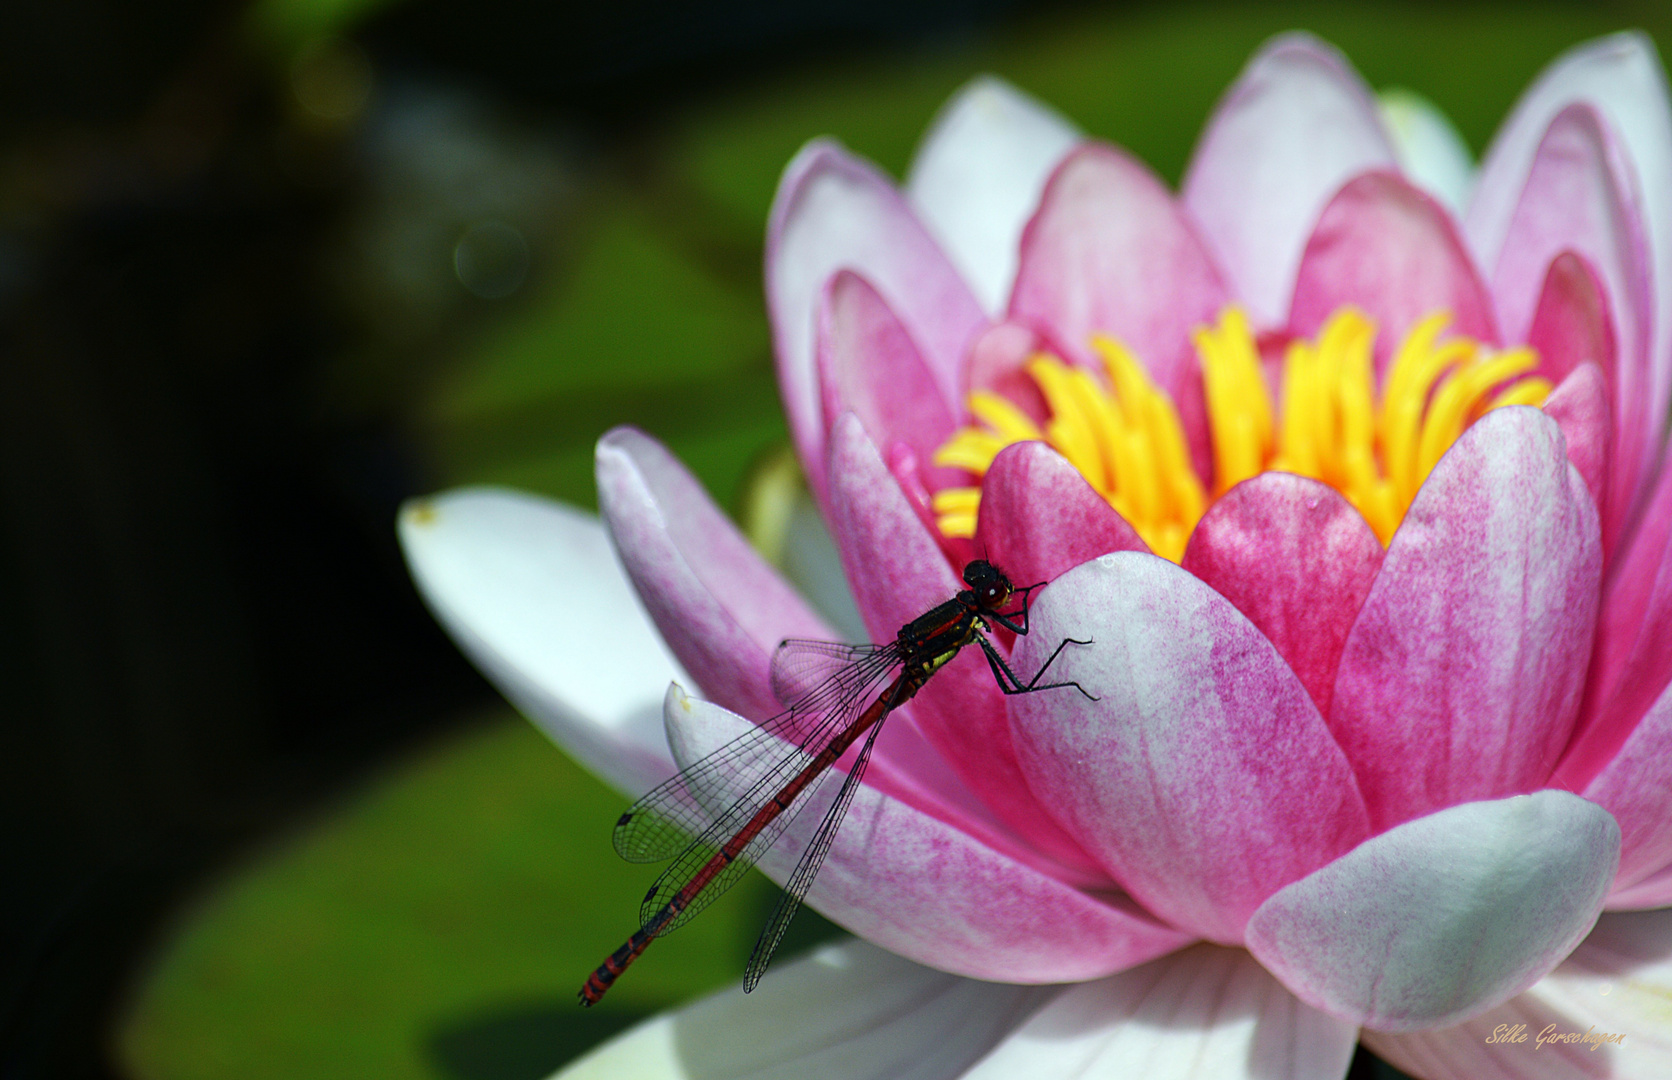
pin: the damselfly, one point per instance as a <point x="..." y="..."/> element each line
<point x="714" y="835"/>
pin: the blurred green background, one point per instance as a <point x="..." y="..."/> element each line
<point x="267" y="270"/>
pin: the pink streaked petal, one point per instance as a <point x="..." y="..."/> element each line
<point x="933" y="893"/>
<point x="869" y="366"/>
<point x="1203" y="1012"/>
<point x="1631" y="662"/>
<point x="1571" y="324"/>
<point x="1578" y="197"/>
<point x="1202" y="776"/>
<point x="1039" y="517"/>
<point x="533" y="594"/>
<point x="1461" y="678"/>
<point x="834" y="211"/>
<point x="719" y="606"/>
<point x="1617" y="982"/>
<point x="1621" y="76"/>
<point x="1298" y="560"/>
<point x="1636" y="787"/>
<point x="1297" y="124"/>
<point x="976" y="178"/>
<point x="1391" y="251"/>
<point x="1580" y="407"/>
<point x="847" y="1011"/>
<point x="1444" y="916"/>
<point x="1110" y="252"/>
<point x="899" y="573"/>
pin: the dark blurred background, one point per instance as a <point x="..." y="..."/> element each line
<point x="267" y="271"/>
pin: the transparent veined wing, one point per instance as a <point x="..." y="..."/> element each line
<point x="672" y="816"/>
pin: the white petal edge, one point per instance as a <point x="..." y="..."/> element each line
<point x="848" y="1011"/>
<point x="1619" y="981"/>
<point x="978" y="175"/>
<point x="1202" y="1012"/>
<point x="1444" y="916"/>
<point x="1429" y="149"/>
<point x="533" y="593"/>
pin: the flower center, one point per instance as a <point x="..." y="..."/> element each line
<point x="1123" y="433"/>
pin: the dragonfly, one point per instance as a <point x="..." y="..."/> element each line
<point x="836" y="695"/>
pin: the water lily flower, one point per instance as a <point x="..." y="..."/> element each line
<point x="1348" y="457"/>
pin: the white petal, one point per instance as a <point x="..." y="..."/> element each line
<point x="847" y="1012"/>
<point x="533" y="593"/>
<point x="1429" y="149"/>
<point x="1619" y="981"/>
<point x="978" y="175"/>
<point x="1203" y="1012"/>
<point x="1444" y="916"/>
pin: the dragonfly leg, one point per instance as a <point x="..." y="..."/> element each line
<point x="1011" y="683"/>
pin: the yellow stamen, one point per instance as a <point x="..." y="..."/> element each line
<point x="1125" y="437"/>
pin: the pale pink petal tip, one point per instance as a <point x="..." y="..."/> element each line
<point x="1445" y="916"/>
<point x="721" y="608"/>
<point x="932" y="892"/>
<point x="532" y="593"/>
<point x="1297" y="124"/>
<point x="1202" y="1012"/>
<point x="978" y="175"/>
<point x="834" y="211"/>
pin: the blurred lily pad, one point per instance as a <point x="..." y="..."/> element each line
<point x="436" y="926"/>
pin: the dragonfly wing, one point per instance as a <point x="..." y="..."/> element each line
<point x="694" y="858"/>
<point x="802" y="669"/>
<point x="673" y="815"/>
<point x="801" y="879"/>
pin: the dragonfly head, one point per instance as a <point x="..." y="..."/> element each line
<point x="988" y="583"/>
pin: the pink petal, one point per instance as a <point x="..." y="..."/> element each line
<point x="1632" y="661"/>
<point x="977" y="177"/>
<point x="533" y="594"/>
<point x="1110" y="252"/>
<point x="1636" y="787"/>
<point x="1571" y="325"/>
<point x="1444" y="916"/>
<point x="925" y="889"/>
<point x="1580" y="408"/>
<point x="898" y="573"/>
<point x="1461" y="678"/>
<point x="869" y="365"/>
<point x="1296" y="558"/>
<point x="1039" y="517"/>
<point x="1654" y="891"/>
<point x="1391" y="251"/>
<point x="1621" y="76"/>
<point x="1202" y="1012"/>
<point x="834" y="211"/>
<point x="1203" y="776"/>
<point x="1617" y="982"/>
<point x="719" y="606"/>
<point x="846" y="1011"/>
<point x="1578" y="198"/>
<point x="1296" y="125"/>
